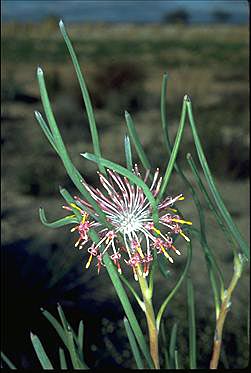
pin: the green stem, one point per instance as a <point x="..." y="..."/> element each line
<point x="225" y="306"/>
<point x="150" y="317"/>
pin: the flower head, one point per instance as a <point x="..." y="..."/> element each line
<point x="132" y="232"/>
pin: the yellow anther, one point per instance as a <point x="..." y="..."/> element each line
<point x="183" y="235"/>
<point x="75" y="206"/>
<point x="77" y="243"/>
<point x="135" y="274"/>
<point x="182" y="221"/>
<point x="84" y="218"/>
<point x="156" y="230"/>
<point x="177" y="251"/>
<point x="181" y="198"/>
<point x="74" y="228"/>
<point x="70" y="216"/>
<point x="89" y="262"/>
<point x="173" y="210"/>
<point x="139" y="270"/>
<point x="166" y="254"/>
<point x="140" y="251"/>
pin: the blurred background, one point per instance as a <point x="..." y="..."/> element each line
<point x="124" y="48"/>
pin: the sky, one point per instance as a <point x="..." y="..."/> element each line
<point x="120" y="10"/>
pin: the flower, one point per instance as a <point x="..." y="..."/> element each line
<point x="128" y="212"/>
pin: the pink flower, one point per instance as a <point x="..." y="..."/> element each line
<point x="129" y="213"/>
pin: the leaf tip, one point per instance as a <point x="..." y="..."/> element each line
<point x="187" y="98"/>
<point x="39" y="71"/>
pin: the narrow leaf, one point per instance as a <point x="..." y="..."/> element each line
<point x="41" y="354"/>
<point x="85" y="94"/>
<point x="129" y="286"/>
<point x="74" y="356"/>
<point x="81" y="340"/>
<point x="164" y="266"/>
<point x="164" y="345"/>
<point x="56" y="325"/>
<point x="70" y="168"/>
<point x="208" y="200"/>
<point x="172" y="345"/>
<point x="46" y="130"/>
<point x="7" y="361"/>
<point x="128" y="153"/>
<point x="133" y="344"/>
<point x="174" y="290"/>
<point x="176" y="359"/>
<point x="163" y="112"/>
<point x="217" y="197"/>
<point x="192" y="325"/>
<point x="174" y="153"/>
<point x="136" y="141"/>
<point x="58" y="223"/>
<point x="63" y="365"/>
<point x="113" y="273"/>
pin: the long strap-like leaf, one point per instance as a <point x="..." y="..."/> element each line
<point x="85" y="94"/>
<point x="133" y="344"/>
<point x="216" y="195"/>
<point x="192" y="325"/>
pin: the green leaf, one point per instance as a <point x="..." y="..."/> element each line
<point x="73" y="353"/>
<point x="208" y="200"/>
<point x="63" y="365"/>
<point x="164" y="266"/>
<point x="46" y="130"/>
<point x="133" y="344"/>
<point x="7" y="361"/>
<point x="214" y="270"/>
<point x="85" y="94"/>
<point x="163" y="112"/>
<point x="41" y="354"/>
<point x="133" y="178"/>
<point x="151" y="275"/>
<point x="56" y="325"/>
<point x="81" y="340"/>
<point x="174" y="153"/>
<point x="115" y="278"/>
<point x="113" y="273"/>
<point x="129" y="286"/>
<point x="136" y="141"/>
<point x="68" y="327"/>
<point x="71" y="201"/>
<point x="212" y="267"/>
<point x="216" y="195"/>
<point x="70" y="168"/>
<point x="172" y="345"/>
<point x="58" y="223"/>
<point x="164" y="345"/>
<point x="175" y="289"/>
<point x="128" y="153"/>
<point x="62" y="318"/>
<point x="192" y="325"/>
<point x="176" y="360"/>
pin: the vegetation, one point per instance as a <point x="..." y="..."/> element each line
<point x="213" y="72"/>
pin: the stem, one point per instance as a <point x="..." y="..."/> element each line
<point x="225" y="306"/>
<point x="150" y="317"/>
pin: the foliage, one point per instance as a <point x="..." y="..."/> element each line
<point x="144" y="356"/>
